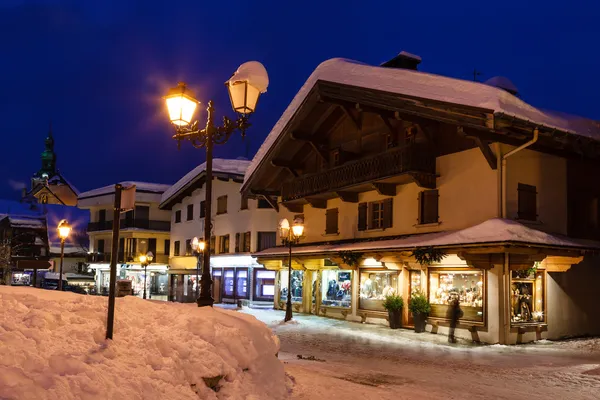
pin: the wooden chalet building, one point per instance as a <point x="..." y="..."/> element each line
<point x="387" y="164"/>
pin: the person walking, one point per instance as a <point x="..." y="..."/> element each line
<point x="455" y="313"/>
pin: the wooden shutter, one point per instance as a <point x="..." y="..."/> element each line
<point x="331" y="220"/>
<point x="247" y="244"/>
<point x="362" y="216"/>
<point x="428" y="207"/>
<point x="388" y="215"/>
<point x="237" y="242"/>
<point x="213" y="243"/>
<point x="527" y="202"/>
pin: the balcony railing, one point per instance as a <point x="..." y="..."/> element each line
<point x="126" y="258"/>
<point x="411" y="158"/>
<point x="151" y="225"/>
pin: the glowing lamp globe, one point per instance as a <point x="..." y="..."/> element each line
<point x="143" y="259"/>
<point x="246" y="85"/>
<point x="149" y="256"/>
<point x="298" y="228"/>
<point x="181" y="104"/>
<point x="284" y="228"/>
<point x="64" y="229"/>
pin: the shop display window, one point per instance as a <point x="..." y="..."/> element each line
<point x="415" y="281"/>
<point x="241" y="288"/>
<point x="527" y="296"/>
<point x="264" y="282"/>
<point x="21" y="279"/>
<point x="336" y="288"/>
<point x="466" y="286"/>
<point x="314" y="287"/>
<point x="297" y="279"/>
<point x="374" y="286"/>
<point x="228" y="283"/>
<point x="159" y="283"/>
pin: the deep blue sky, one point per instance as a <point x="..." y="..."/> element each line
<point x="98" y="69"/>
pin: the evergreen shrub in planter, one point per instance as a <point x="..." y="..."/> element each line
<point x="420" y="309"/>
<point x="393" y="304"/>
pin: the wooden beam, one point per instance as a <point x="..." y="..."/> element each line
<point x="385" y="189"/>
<point x="388" y="124"/>
<point x="316" y="146"/>
<point x="326" y="114"/>
<point x="272" y="202"/>
<point x="317" y="203"/>
<point x="489" y="155"/>
<point x="348" y="197"/>
<point x="291" y="168"/>
<point x="295" y="208"/>
<point x="423" y="180"/>
<point x="356" y="121"/>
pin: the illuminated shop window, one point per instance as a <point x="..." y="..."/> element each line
<point x="297" y="279"/>
<point x="527" y="296"/>
<point x="466" y="286"/>
<point x="336" y="288"/>
<point x="374" y="286"/>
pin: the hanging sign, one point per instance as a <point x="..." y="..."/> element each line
<point x="128" y="198"/>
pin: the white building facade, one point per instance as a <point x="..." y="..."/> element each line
<point x="143" y="229"/>
<point x="240" y="226"/>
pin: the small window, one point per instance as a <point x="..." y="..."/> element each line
<point x="331" y="221"/>
<point x="190" y="212"/>
<point x="213" y="241"/>
<point x="375" y="215"/>
<point x="244" y="203"/>
<point x="527" y="202"/>
<point x="246" y="242"/>
<point x="176" y="248"/>
<point x="188" y="247"/>
<point x="202" y="209"/>
<point x="224" y="244"/>
<point x="167" y="247"/>
<point x="100" y="246"/>
<point x="102" y="216"/>
<point x="177" y="216"/>
<point x="222" y="205"/>
<point x="428" y="207"/>
<point x="266" y="240"/>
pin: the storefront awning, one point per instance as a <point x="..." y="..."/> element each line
<point x="493" y="232"/>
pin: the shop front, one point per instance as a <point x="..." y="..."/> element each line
<point x="156" y="280"/>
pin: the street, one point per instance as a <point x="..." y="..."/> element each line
<point x="358" y="361"/>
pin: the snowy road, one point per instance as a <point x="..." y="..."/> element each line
<point x="356" y="361"/>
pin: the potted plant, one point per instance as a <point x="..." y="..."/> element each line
<point x="420" y="308"/>
<point x="393" y="304"/>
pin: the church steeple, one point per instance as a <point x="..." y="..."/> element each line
<point x="48" y="157"/>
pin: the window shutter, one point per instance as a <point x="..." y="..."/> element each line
<point x="388" y="215"/>
<point x="362" y="216"/>
<point x="213" y="243"/>
<point x="331" y="221"/>
<point x="429" y="207"/>
<point x="527" y="202"/>
<point x="237" y="242"/>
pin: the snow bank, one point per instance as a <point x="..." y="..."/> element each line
<point x="52" y="346"/>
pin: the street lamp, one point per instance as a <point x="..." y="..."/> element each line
<point x="64" y="230"/>
<point x="245" y="87"/>
<point x="146" y="259"/>
<point x="198" y="248"/>
<point x="290" y="237"/>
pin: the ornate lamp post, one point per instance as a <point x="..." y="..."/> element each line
<point x="245" y="87"/>
<point x="146" y="259"/>
<point x="290" y="237"/>
<point x="64" y="230"/>
<point x="198" y="248"/>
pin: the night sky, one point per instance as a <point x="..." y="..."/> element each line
<point x="98" y="69"/>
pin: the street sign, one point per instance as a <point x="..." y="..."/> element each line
<point x="128" y="198"/>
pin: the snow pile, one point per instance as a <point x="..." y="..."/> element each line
<point x="53" y="347"/>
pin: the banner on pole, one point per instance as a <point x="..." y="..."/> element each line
<point x="128" y="198"/>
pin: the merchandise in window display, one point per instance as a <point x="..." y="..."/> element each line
<point x="336" y="288"/>
<point x="228" y="283"/>
<point x="415" y="282"/>
<point x="527" y="296"/>
<point x="466" y="286"/>
<point x="242" y="283"/>
<point x="374" y="287"/>
<point x="297" y="278"/>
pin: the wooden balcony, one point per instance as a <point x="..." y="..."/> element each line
<point x="411" y="163"/>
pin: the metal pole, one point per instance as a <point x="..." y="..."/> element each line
<point x="62" y="257"/>
<point x="198" y="261"/>
<point x="145" y="276"/>
<point x="113" y="262"/>
<point x="206" y="298"/>
<point x="288" y="307"/>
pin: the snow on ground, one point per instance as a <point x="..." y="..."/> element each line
<point x="52" y="346"/>
<point x="349" y="361"/>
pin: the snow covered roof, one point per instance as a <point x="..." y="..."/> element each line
<point x="140" y="187"/>
<point x="60" y="179"/>
<point x="25" y="221"/>
<point x="425" y="86"/>
<point x="225" y="166"/>
<point x="492" y="231"/>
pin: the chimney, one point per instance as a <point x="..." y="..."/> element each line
<point x="404" y="60"/>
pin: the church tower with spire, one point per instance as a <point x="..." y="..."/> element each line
<point x="48" y="185"/>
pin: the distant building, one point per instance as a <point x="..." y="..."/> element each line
<point x="48" y="185"/>
<point x="240" y="227"/>
<point x="143" y="229"/>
